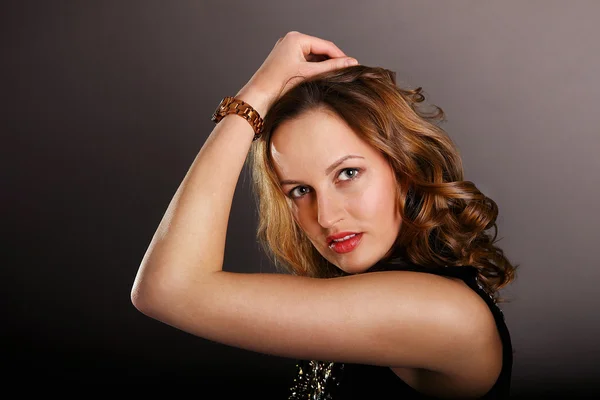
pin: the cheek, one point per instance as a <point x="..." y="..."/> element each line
<point x="375" y="202"/>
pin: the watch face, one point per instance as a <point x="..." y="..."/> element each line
<point x="223" y="106"/>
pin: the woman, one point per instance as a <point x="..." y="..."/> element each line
<point x="393" y="279"/>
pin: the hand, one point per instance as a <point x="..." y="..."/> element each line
<point x="295" y="56"/>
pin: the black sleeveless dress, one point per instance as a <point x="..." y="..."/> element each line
<point x="318" y="380"/>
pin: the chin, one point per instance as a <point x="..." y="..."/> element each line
<point x="354" y="267"/>
<point x="355" y="272"/>
<point x="352" y="263"/>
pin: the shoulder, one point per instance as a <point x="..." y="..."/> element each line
<point x="447" y="315"/>
<point x="472" y="361"/>
<point x="460" y="346"/>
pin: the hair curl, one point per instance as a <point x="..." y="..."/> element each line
<point x="444" y="218"/>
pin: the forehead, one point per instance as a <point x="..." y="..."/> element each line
<point x="314" y="140"/>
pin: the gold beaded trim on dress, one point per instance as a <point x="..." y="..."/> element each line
<point x="316" y="380"/>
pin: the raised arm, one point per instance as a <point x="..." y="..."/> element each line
<point x="189" y="243"/>
<point x="395" y="319"/>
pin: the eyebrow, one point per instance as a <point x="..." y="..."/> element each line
<point x="327" y="171"/>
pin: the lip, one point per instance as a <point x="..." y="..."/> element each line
<point x="347" y="245"/>
<point x="339" y="236"/>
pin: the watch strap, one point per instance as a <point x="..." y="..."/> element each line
<point x="231" y="105"/>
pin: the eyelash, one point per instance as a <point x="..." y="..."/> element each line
<point x="358" y="172"/>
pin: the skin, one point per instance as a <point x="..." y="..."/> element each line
<point x="356" y="196"/>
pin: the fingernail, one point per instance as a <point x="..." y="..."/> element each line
<point x="351" y="61"/>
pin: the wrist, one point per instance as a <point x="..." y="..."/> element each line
<point x="259" y="100"/>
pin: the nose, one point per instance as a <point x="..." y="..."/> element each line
<point x="329" y="210"/>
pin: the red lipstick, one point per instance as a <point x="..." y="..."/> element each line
<point x="344" y="242"/>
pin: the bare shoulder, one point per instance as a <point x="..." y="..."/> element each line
<point x="474" y="372"/>
<point x="400" y="319"/>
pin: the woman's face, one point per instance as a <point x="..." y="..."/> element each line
<point x="329" y="197"/>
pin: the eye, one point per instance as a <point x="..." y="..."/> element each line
<point x="300" y="191"/>
<point x="291" y="192"/>
<point x="352" y="176"/>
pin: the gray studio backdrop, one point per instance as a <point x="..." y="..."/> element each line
<point x="108" y="103"/>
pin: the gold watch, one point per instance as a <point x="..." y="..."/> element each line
<point x="231" y="105"/>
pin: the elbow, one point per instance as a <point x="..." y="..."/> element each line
<point x="152" y="294"/>
<point x="140" y="298"/>
<point x="136" y="297"/>
<point x="145" y="295"/>
<point x="143" y="292"/>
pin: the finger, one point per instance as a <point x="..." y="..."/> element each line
<point x="316" y="57"/>
<point x="333" y="64"/>
<point x="315" y="45"/>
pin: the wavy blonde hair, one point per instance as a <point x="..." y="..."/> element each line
<point x="444" y="218"/>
